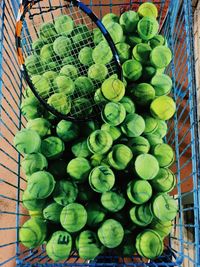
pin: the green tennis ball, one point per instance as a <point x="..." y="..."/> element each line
<point x="99" y="142"/>
<point x="62" y="46"/>
<point x="112" y="130"/>
<point x="67" y="130"/>
<point x="42" y="85"/>
<point x="162" y="228"/>
<point x="33" y="233"/>
<point x="148" y="10"/>
<point x="164" y="181"/>
<point x="148" y="73"/>
<point x="37" y="45"/>
<point x="141" y="52"/>
<point x="85" y="56"/>
<point x="58" y="168"/>
<point x="73" y="217"/>
<point x="111" y="233"/>
<point x="60" y="102"/>
<point x="96" y="214"/>
<point x="153" y="139"/>
<point x="84" y="85"/>
<point x="133" y="39"/>
<point x="124" y="52"/>
<point x="47" y="54"/>
<point x="112" y="201"/>
<point x="69" y="60"/>
<point x="40" y="125"/>
<point x="160" y="56"/>
<point x="139" y="191"/>
<point x="164" y="207"/>
<point x="116" y="32"/>
<point x="157" y="40"/>
<point x="139" y="145"/>
<point x="132" y="70"/>
<point x="80" y="149"/>
<point x="143" y="94"/>
<point x="99" y="98"/>
<point x="147" y="28"/>
<point x="151" y="124"/>
<point x="151" y="168"/>
<point x="128" y="104"/>
<point x="52" y="212"/>
<point x="40" y="184"/>
<point x="113" y="113"/>
<point x="27" y="141"/>
<point x="133" y="125"/>
<point x="163" y="108"/>
<point x="149" y="244"/>
<point x="113" y="89"/>
<point x="164" y="154"/>
<point x="110" y="17"/>
<point x="101" y="179"/>
<point x="162" y="129"/>
<point x="69" y="71"/>
<point x="141" y="215"/>
<point x="120" y="157"/>
<point x="31" y="111"/>
<point x="29" y="97"/>
<point x="64" y="25"/>
<point x="65" y="192"/>
<point x="47" y="32"/>
<point x="129" y="21"/>
<point x="97" y="72"/>
<point x="50" y="75"/>
<point x="33" y="162"/>
<point x="78" y="169"/>
<point x="162" y="84"/>
<point x="31" y="203"/>
<point x="52" y="147"/>
<point x="59" y="246"/>
<point x="64" y="84"/>
<point x="97" y="36"/>
<point x="34" y="65"/>
<point x="102" y="53"/>
<point x="81" y="107"/>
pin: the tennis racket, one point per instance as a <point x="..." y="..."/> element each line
<point x="55" y="40"/>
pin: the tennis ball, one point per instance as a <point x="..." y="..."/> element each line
<point x="141" y="215"/>
<point x="52" y="212"/>
<point x="99" y="142"/>
<point x="163" y="107"/>
<point x="73" y="217"/>
<point x="151" y="168"/>
<point x="78" y="169"/>
<point x="47" y="32"/>
<point x="97" y="72"/>
<point x="52" y="147"/>
<point x="157" y="40"/>
<point x="153" y="139"/>
<point x="65" y="192"/>
<point x="132" y="70"/>
<point x="162" y="228"/>
<point x="160" y="56"/>
<point x="110" y="17"/>
<point x="81" y="107"/>
<point x="162" y="84"/>
<point x="34" y="65"/>
<point x="50" y="75"/>
<point x="31" y="203"/>
<point x="97" y="36"/>
<point x="147" y="28"/>
<point x="98" y="97"/>
<point x="113" y="113"/>
<point x="59" y="246"/>
<point x="148" y="10"/>
<point x="116" y="32"/>
<point x="133" y="39"/>
<point x="102" y="53"/>
<point x="84" y="85"/>
<point x="139" y="191"/>
<point x="113" y="89"/>
<point x="112" y="130"/>
<point x="139" y="145"/>
<point x="133" y="125"/>
<point x="60" y="102"/>
<point x="69" y="60"/>
<point x="85" y="56"/>
<point x="69" y="71"/>
<point x="164" y="154"/>
<point x="124" y="52"/>
<point x="112" y="201"/>
<point x="31" y="111"/>
<point x="27" y="141"/>
<point x="151" y="124"/>
<point x="161" y="131"/>
<point x="37" y="45"/>
<point x="111" y="233"/>
<point x="143" y="94"/>
<point x="33" y="162"/>
<point x="148" y="73"/>
<point x="129" y="21"/>
<point x="128" y="104"/>
<point x="29" y="97"/>
<point x="64" y="25"/>
<point x="47" y="54"/>
<point x="164" y="181"/>
<point x="141" y="52"/>
<point x="33" y="232"/>
<point x="42" y="85"/>
<point x="67" y="130"/>
<point x="40" y="125"/>
<point x="120" y="157"/>
<point x="40" y="184"/>
<point x="96" y="214"/>
<point x="62" y="46"/>
<point x="80" y="149"/>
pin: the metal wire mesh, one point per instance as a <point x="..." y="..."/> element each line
<point x="181" y="249"/>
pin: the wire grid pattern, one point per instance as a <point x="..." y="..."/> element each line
<point x="182" y="136"/>
<point x="79" y="38"/>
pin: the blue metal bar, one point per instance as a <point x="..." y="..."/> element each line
<point x="1" y="47"/>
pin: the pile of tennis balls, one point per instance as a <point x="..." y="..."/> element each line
<point x="103" y="186"/>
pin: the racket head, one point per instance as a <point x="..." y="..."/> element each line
<point x="32" y="17"/>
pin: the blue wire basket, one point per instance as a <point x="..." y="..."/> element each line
<point x="183" y="246"/>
